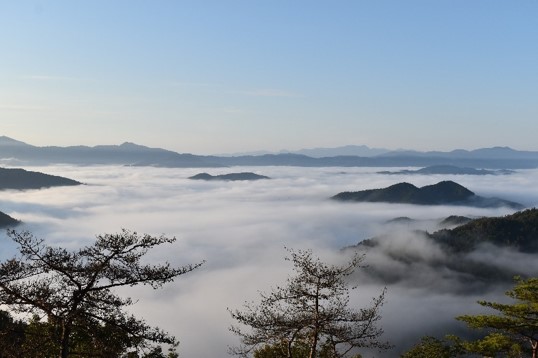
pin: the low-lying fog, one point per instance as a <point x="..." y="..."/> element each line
<point x="241" y="229"/>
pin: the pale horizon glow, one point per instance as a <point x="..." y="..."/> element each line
<point x="209" y="77"/>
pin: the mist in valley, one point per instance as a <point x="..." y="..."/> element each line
<point x="242" y="228"/>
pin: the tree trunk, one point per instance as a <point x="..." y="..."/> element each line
<point x="314" y="346"/>
<point x="65" y="340"/>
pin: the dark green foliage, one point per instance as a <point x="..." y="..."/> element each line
<point x="300" y="349"/>
<point x="39" y="339"/>
<point x="454" y="220"/>
<point x="22" y="179"/>
<point x="513" y="327"/>
<point x="11" y="336"/>
<point x="496" y="345"/>
<point x="440" y="193"/>
<point x="445" y="192"/>
<point x="74" y="290"/>
<point x="518" y="231"/>
<point x="431" y="347"/>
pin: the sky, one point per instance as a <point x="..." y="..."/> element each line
<point x="241" y="230"/>
<point x="210" y="77"/>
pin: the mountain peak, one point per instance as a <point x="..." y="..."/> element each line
<point x="10" y="141"/>
<point x="131" y="145"/>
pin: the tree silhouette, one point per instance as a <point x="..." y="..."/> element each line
<point x="75" y="289"/>
<point x="311" y="312"/>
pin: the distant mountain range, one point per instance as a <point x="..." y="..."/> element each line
<point x="347" y="150"/>
<point x="229" y="177"/>
<point x="442" y="193"/>
<point x="450" y="169"/>
<point x="16" y="152"/>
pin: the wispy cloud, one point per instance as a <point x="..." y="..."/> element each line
<point x="233" y="110"/>
<point x="23" y="108"/>
<point x="51" y="78"/>
<point x="266" y="92"/>
<point x="256" y="92"/>
<point x="195" y="84"/>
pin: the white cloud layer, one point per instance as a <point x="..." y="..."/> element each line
<point x="241" y="229"/>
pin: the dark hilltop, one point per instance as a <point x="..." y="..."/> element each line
<point x="7" y="221"/>
<point x="20" y="179"/>
<point x="442" y="193"/>
<point x="229" y="177"/>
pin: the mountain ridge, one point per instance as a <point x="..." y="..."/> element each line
<point x="443" y="193"/>
<point x="244" y="176"/>
<point x="7" y="221"/>
<point x="132" y="154"/>
<point x="21" y="179"/>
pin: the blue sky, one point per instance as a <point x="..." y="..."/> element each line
<point x="239" y="75"/>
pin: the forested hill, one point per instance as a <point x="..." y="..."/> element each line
<point x="21" y="179"/>
<point x="474" y="256"/>
<point x="229" y="177"/>
<point x="518" y="231"/>
<point x="7" y="221"/>
<point x="442" y="193"/>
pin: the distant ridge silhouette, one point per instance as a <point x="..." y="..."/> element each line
<point x="139" y="155"/>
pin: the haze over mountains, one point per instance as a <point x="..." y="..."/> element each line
<point x="20" y="153"/>
<point x="450" y="169"/>
<point x="457" y="252"/>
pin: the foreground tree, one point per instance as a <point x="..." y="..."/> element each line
<point x="75" y="289"/>
<point x="11" y="336"/>
<point x="514" y="328"/>
<point x="309" y="316"/>
<point x="431" y="347"/>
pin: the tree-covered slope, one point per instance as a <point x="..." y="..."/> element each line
<point x="473" y="256"/>
<point x="21" y="179"/>
<point x="442" y="193"/>
<point x="229" y="177"/>
<point x="7" y="221"/>
<point x="518" y="231"/>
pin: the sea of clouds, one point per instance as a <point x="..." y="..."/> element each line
<point x="241" y="230"/>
